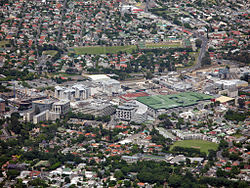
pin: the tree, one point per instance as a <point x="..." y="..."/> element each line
<point x="211" y="155"/>
<point x="146" y="177"/>
<point x="149" y="75"/>
<point x="235" y="170"/>
<point x="220" y="173"/>
<point x="206" y="60"/>
<point x="119" y="175"/>
<point x="14" y="123"/>
<point x="67" y="179"/>
<point x="127" y="183"/>
<point x="167" y="123"/>
<point x="174" y="181"/>
<point x="235" y="116"/>
<point x="241" y="102"/>
<point x="38" y="182"/>
<point x="188" y="161"/>
<point x="223" y="144"/>
<point x="20" y="184"/>
<point x="12" y="173"/>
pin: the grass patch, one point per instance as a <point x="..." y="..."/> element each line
<point x="64" y="74"/>
<point x="204" y="146"/>
<point x="104" y="49"/>
<point x="50" y="52"/>
<point x="237" y="135"/>
<point x="174" y="45"/>
<point x="4" y="42"/>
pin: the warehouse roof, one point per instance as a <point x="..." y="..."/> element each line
<point x="99" y="77"/>
<point x="224" y="99"/>
<point x="173" y="101"/>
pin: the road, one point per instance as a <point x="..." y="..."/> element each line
<point x="219" y="153"/>
<point x="203" y="49"/>
<point x="61" y="22"/>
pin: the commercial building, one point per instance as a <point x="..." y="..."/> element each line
<point x="229" y="84"/>
<point x="43" y="116"/>
<point x="58" y="91"/>
<point x="225" y="99"/>
<point x="76" y="92"/>
<point x="174" y="83"/>
<point x="61" y="107"/>
<point x="194" y="136"/>
<point x="42" y="105"/>
<point x="111" y="86"/>
<point x="159" y="104"/>
<point x="98" y="77"/>
<point x="96" y="107"/>
<point x="126" y="111"/>
<point x="44" y="110"/>
<point x="81" y="92"/>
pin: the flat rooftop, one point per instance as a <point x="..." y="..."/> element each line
<point x="44" y="101"/>
<point x="184" y="99"/>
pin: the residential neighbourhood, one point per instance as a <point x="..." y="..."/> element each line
<point x="124" y="93"/>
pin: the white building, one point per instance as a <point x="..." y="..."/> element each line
<point x="229" y="84"/>
<point x="81" y="92"/>
<point x="43" y="116"/>
<point x="76" y="92"/>
<point x="98" y="77"/>
<point x="68" y="94"/>
<point x="126" y="111"/>
<point x="194" y="136"/>
<point x="111" y="86"/>
<point x="58" y="91"/>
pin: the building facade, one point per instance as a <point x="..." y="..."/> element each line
<point x="126" y="111"/>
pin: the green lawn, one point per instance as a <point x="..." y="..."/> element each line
<point x="50" y="52"/>
<point x="204" y="146"/>
<point x="103" y="49"/>
<point x="174" y="45"/>
<point x="64" y="74"/>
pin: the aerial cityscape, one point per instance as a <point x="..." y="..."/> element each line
<point x="124" y="93"/>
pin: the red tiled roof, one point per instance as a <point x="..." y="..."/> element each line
<point x="140" y="184"/>
<point x="43" y="125"/>
<point x="34" y="173"/>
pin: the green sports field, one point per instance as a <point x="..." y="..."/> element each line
<point x="103" y="49"/>
<point x="204" y="146"/>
